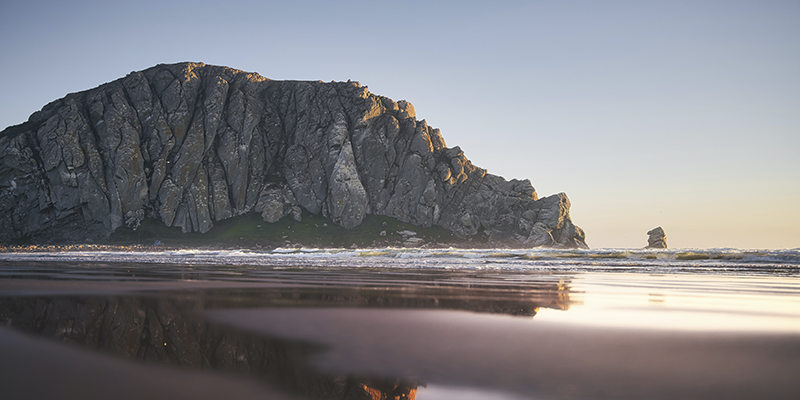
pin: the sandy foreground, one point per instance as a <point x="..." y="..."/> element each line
<point x="302" y="337"/>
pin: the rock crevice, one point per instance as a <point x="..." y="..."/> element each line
<point x="190" y="144"/>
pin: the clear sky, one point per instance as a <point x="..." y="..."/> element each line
<point x="680" y="114"/>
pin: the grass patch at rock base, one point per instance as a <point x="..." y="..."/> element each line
<point x="251" y="231"/>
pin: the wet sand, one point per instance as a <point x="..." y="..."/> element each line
<point x="523" y="356"/>
<point x="348" y="334"/>
<point x="37" y="368"/>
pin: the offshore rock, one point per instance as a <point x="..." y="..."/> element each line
<point x="190" y="144"/>
<point x="657" y="239"/>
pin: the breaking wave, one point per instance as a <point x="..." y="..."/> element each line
<point x="722" y="260"/>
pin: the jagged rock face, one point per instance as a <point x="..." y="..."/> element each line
<point x="657" y="238"/>
<point x="191" y="144"/>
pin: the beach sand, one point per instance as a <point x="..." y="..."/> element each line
<point x="358" y="335"/>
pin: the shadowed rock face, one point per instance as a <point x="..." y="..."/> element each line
<point x="191" y="144"/>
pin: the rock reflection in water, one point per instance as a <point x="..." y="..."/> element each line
<point x="169" y="329"/>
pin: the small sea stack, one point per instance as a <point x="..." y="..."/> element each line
<point x="657" y="239"/>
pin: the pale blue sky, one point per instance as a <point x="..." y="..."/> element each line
<point x="684" y="114"/>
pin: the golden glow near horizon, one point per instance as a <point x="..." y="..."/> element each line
<point x="686" y="302"/>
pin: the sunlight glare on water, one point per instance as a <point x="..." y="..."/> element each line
<point x="683" y="302"/>
<point x="441" y="392"/>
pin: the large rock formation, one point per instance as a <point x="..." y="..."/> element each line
<point x="191" y="144"/>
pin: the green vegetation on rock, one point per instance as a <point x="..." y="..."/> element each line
<point x="250" y="231"/>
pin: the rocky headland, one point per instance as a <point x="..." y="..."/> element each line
<point x="191" y="144"/>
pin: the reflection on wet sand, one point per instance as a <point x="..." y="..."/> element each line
<point x="169" y="328"/>
<point x="207" y="332"/>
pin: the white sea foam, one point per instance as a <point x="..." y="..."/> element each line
<point x="724" y="260"/>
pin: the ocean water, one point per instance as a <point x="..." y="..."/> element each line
<point x="430" y="324"/>
<point x="721" y="261"/>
